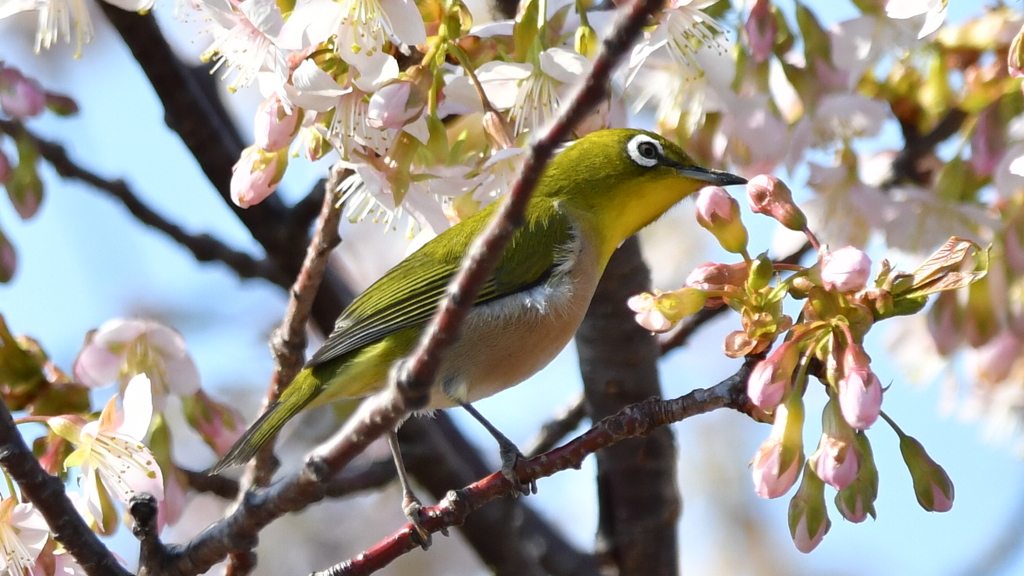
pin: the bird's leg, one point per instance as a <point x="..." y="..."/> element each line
<point x="510" y="454"/>
<point x="411" y="505"/>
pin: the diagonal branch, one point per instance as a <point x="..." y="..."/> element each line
<point x="46" y="492"/>
<point x="633" y="421"/>
<point x="204" y="247"/>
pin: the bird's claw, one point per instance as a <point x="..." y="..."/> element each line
<point x="412" y="507"/>
<point x="510" y="457"/>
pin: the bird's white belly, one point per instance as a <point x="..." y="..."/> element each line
<point x="506" y="341"/>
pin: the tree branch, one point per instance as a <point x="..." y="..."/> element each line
<point x="632" y="421"/>
<point x="638" y="497"/>
<point x="204" y="247"/>
<point x="46" y="492"/>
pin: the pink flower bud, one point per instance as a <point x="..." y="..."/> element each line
<point x="256" y="175"/>
<point x="218" y="425"/>
<point x="658" y="312"/>
<point x="1015" y="58"/>
<point x="761" y="29"/>
<point x="770" y="378"/>
<point x="845" y="270"/>
<point x="719" y="213"/>
<point x="994" y="361"/>
<point x="932" y="486"/>
<point x="854" y="507"/>
<point x="394" y="106"/>
<point x="808" y="517"/>
<point x="61" y="105"/>
<point x="859" y="391"/>
<point x="770" y="480"/>
<point x="770" y="196"/>
<point x="835" y="460"/>
<point x="20" y="97"/>
<point x="6" y="173"/>
<point x="275" y="126"/>
<point x="714" y="276"/>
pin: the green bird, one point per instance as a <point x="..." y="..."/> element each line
<point x="595" y="194"/>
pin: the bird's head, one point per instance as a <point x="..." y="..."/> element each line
<point x="625" y="179"/>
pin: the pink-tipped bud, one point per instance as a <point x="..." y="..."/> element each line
<point x="770" y="196"/>
<point x="6" y="173"/>
<point x="720" y="278"/>
<point x="659" y="312"/>
<point x="771" y="377"/>
<point x="845" y="270"/>
<point x="275" y="126"/>
<point x="394" y="105"/>
<point x="647" y="314"/>
<point x="761" y="29"/>
<point x="256" y="175"/>
<point x="60" y="104"/>
<point x="20" y="97"/>
<point x="1015" y="59"/>
<point x="771" y="478"/>
<point x="932" y="486"/>
<point x="859" y="390"/>
<point x="994" y="361"/>
<point x="835" y="460"/>
<point x="719" y="213"/>
<point x="808" y="516"/>
<point x="218" y="425"/>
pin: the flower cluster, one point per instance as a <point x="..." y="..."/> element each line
<point x="825" y="342"/>
<point x="110" y="451"/>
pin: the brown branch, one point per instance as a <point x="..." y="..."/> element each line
<point x="552" y="432"/>
<point x="906" y="165"/>
<point x="632" y="421"/>
<point x="288" y="342"/>
<point x="638" y="497"/>
<point x="46" y="492"/>
<point x="204" y="248"/>
<point x="681" y="335"/>
<point x="374" y="475"/>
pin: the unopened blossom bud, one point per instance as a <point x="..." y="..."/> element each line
<point x="61" y="105"/>
<point x="777" y="461"/>
<point x="6" y="173"/>
<point x="20" y="97"/>
<point x="256" y="175"/>
<point x="394" y="105"/>
<point x="859" y="390"/>
<point x="770" y="196"/>
<point x="761" y="271"/>
<point x="315" y="143"/>
<point x="275" y="127"/>
<point x="1015" y="59"/>
<point x="719" y="213"/>
<point x="845" y="270"/>
<point x="932" y="486"/>
<point x="994" y="361"/>
<point x="718" y="277"/>
<point x="219" y="426"/>
<point x="945" y="323"/>
<point x="835" y="460"/>
<point x="857" y="501"/>
<point x="808" y="517"/>
<point x="660" y="311"/>
<point x="772" y="376"/>
<point x="8" y="259"/>
<point x="761" y="29"/>
<point x="586" y="42"/>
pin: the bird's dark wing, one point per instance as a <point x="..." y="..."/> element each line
<point x="408" y="294"/>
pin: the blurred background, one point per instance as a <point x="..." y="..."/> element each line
<point x="83" y="260"/>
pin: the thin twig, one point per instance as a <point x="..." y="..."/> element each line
<point x="288" y="342"/>
<point x="632" y="421"/>
<point x="204" y="247"/>
<point x="46" y="492"/>
<point x="552" y="432"/>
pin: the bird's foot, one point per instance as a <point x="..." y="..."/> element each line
<point x="412" y="507"/>
<point x="510" y="457"/>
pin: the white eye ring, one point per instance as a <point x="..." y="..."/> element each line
<point x="645" y="151"/>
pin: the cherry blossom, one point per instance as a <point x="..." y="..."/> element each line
<point x="23" y="534"/>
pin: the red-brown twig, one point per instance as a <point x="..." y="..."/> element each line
<point x="632" y="421"/>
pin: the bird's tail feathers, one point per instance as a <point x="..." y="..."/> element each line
<point x="260" y="432"/>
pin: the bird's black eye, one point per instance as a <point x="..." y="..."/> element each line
<point x="644" y="150"/>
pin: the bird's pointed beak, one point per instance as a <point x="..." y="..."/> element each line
<point x="715" y="177"/>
